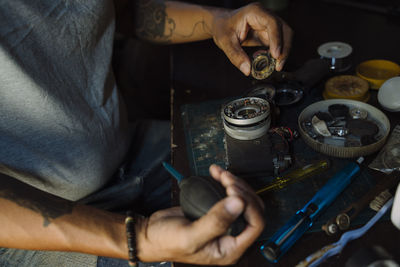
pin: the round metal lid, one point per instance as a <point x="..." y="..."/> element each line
<point x="334" y="50"/>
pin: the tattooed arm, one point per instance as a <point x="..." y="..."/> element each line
<point x="35" y="220"/>
<point x="177" y="22"/>
<point x="172" y="22"/>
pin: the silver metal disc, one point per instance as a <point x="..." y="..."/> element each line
<point x="335" y="50"/>
<point x="246" y="111"/>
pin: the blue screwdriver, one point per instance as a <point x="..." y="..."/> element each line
<point x="304" y="218"/>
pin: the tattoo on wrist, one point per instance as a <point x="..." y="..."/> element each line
<point x="199" y="24"/>
<point x="49" y="207"/>
<point x="151" y="21"/>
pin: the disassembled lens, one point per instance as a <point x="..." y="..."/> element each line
<point x="246" y="118"/>
<point x="263" y="65"/>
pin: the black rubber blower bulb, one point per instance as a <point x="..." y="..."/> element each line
<point x="197" y="196"/>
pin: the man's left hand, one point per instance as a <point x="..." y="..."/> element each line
<point x="251" y="25"/>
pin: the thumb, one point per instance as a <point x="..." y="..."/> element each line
<point x="217" y="220"/>
<point x="238" y="57"/>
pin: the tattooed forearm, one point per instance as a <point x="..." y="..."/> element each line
<point x="48" y="206"/>
<point x="200" y="24"/>
<point x="151" y="21"/>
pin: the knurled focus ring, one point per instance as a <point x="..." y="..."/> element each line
<point x="262" y="65"/>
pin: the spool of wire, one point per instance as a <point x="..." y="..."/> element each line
<point x="337" y="54"/>
<point x="246" y="118"/>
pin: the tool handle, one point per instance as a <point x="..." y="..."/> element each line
<point x="286" y="236"/>
<point x="325" y="196"/>
<point x="295" y="176"/>
<point x="282" y="240"/>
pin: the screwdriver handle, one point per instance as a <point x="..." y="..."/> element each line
<point x="296" y="176"/>
<point x="304" y="218"/>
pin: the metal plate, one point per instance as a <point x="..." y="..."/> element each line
<point x="374" y="114"/>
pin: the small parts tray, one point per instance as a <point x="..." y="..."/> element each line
<point x="374" y="114"/>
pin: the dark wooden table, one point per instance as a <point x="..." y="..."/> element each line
<point x="201" y="72"/>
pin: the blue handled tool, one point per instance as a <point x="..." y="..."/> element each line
<point x="304" y="218"/>
<point x="173" y="172"/>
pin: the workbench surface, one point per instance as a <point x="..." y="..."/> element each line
<point x="202" y="74"/>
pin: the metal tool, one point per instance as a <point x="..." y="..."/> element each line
<point x="330" y="250"/>
<point x="198" y="194"/>
<point x="343" y="219"/>
<point x="304" y="218"/>
<point x="296" y="176"/>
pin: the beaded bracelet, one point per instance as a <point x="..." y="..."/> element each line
<point x="131" y="238"/>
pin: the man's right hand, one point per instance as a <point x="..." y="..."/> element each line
<point x="168" y="236"/>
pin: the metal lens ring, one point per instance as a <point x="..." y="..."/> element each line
<point x="246" y="118"/>
<point x="262" y="65"/>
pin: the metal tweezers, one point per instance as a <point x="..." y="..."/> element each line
<point x="335" y="248"/>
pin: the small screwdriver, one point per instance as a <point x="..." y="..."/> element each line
<point x="295" y="176"/>
<point x="198" y="194"/>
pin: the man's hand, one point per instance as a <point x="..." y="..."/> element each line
<point x="251" y="26"/>
<point x="178" y="22"/>
<point x="168" y="235"/>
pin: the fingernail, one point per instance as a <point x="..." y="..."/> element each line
<point x="277" y="52"/>
<point x="245" y="68"/>
<point x="279" y="67"/>
<point x="216" y="167"/>
<point x="234" y="205"/>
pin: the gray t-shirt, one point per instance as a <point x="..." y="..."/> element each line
<point x="62" y="123"/>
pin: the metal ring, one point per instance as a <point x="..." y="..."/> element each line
<point x="246" y="118"/>
<point x="247" y="133"/>
<point x="263" y="65"/>
<point x="246" y="111"/>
